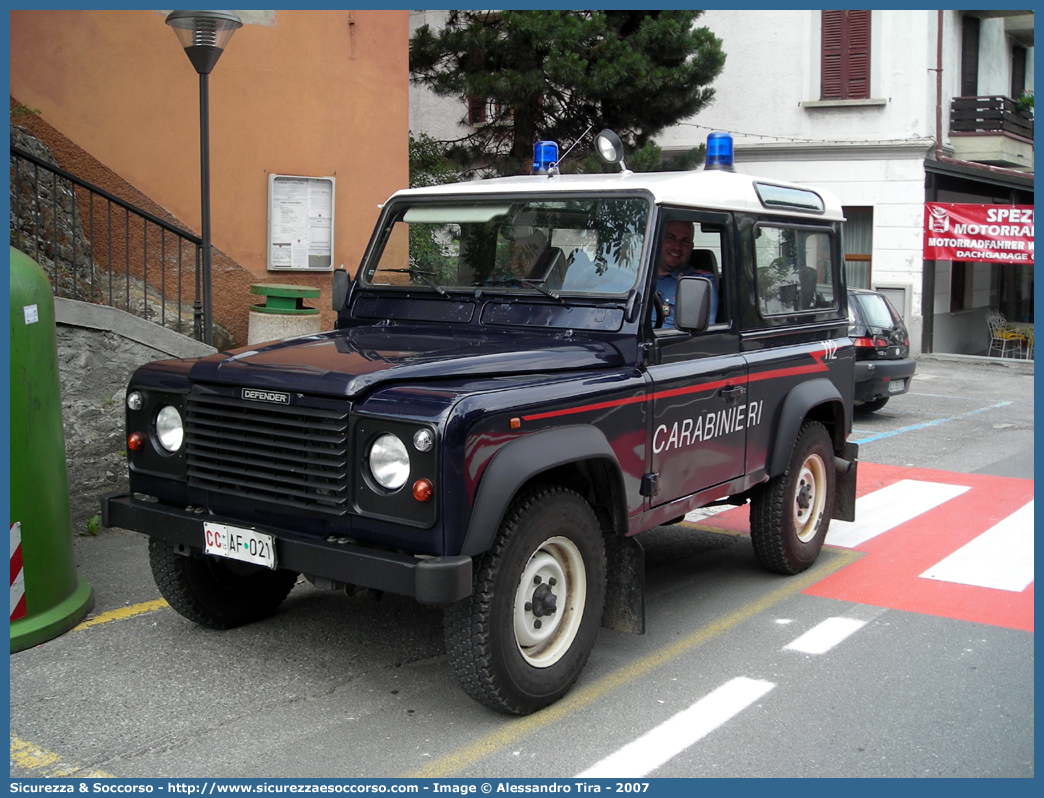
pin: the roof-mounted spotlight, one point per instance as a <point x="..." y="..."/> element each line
<point x="610" y="149"/>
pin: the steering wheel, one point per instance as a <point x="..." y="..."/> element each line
<point x="659" y="312"/>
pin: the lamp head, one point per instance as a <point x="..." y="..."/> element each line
<point x="204" y="35"/>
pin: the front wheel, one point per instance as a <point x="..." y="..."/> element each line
<point x="790" y="515"/>
<point x="217" y="593"/>
<point x="520" y="641"/>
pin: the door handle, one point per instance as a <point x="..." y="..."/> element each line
<point x="732" y="392"/>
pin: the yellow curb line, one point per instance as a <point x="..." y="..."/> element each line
<point x="27" y="756"/>
<point x="122" y="613"/>
<point x="524" y="727"/>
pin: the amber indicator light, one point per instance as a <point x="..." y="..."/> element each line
<point x="422" y="490"/>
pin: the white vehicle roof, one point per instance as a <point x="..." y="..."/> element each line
<point x="713" y="190"/>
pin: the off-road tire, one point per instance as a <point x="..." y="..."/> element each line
<point x="873" y="405"/>
<point x="787" y="538"/>
<point x="496" y="649"/>
<point x="215" y="593"/>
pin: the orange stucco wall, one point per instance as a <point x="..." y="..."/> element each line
<point x="314" y="93"/>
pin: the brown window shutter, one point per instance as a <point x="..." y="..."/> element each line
<point x="970" y="57"/>
<point x="831" y="57"/>
<point x="477" y="110"/>
<point x="858" y="73"/>
<point x="1018" y="72"/>
<point x="845" y="66"/>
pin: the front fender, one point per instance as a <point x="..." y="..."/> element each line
<point x="518" y="462"/>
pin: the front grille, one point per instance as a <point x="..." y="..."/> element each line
<point x="293" y="456"/>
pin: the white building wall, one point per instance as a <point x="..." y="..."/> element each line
<point x="769" y="93"/>
<point x="994" y="58"/>
<point x="869" y="153"/>
<point x="442" y="118"/>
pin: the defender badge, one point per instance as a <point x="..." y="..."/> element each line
<point x="254" y="395"/>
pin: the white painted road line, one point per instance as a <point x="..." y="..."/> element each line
<point x="885" y="509"/>
<point x="1001" y="557"/>
<point x="695" y="516"/>
<point x="824" y="636"/>
<point x="666" y="741"/>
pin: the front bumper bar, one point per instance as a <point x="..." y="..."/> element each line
<point x="432" y="580"/>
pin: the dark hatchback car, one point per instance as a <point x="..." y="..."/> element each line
<point x="883" y="366"/>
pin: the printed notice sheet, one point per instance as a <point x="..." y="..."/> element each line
<point x="300" y="222"/>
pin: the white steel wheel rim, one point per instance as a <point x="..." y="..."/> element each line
<point x="549" y="602"/>
<point x="809" y="497"/>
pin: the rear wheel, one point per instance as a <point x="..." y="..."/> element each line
<point x="216" y="593"/>
<point x="520" y="641"/>
<point x="790" y="515"/>
<point x="874" y="405"/>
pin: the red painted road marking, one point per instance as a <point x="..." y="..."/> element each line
<point x="890" y="575"/>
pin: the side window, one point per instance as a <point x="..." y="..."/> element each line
<point x="794" y="270"/>
<point x="690" y="248"/>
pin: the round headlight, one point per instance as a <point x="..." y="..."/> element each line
<point x="423" y="440"/>
<point x="169" y="429"/>
<point x="135" y="400"/>
<point x="389" y="462"/>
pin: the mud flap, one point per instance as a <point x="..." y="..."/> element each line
<point x="845" y="485"/>
<point x="625" y="585"/>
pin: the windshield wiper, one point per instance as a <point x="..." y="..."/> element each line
<point x="545" y="291"/>
<point x="423" y="275"/>
<point x="535" y="284"/>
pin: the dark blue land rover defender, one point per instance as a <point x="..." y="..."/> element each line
<point x="525" y="374"/>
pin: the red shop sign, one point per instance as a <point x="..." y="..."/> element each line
<point x="987" y="233"/>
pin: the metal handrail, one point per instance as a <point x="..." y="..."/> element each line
<point x="43" y="243"/>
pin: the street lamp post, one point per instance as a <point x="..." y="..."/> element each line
<point x="204" y="35"/>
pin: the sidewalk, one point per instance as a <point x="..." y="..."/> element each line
<point x="1015" y="364"/>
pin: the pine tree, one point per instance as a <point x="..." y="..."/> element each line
<point x="553" y="74"/>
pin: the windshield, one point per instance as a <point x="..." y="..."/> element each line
<point x="588" y="246"/>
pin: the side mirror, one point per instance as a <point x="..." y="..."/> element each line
<point x="341" y="283"/>
<point x="692" y="304"/>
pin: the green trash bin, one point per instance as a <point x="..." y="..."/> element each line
<point x="48" y="595"/>
<point x="284" y="314"/>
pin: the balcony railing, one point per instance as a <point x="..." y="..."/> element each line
<point x="95" y="247"/>
<point x="997" y="115"/>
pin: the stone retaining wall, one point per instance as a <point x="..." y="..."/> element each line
<point x="98" y="349"/>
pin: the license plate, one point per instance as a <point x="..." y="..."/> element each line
<point x="897" y="386"/>
<point x="244" y="545"/>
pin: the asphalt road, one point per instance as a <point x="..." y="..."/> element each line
<point x="342" y="686"/>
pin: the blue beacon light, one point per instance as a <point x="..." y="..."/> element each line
<point x="719" y="152"/>
<point x="545" y="155"/>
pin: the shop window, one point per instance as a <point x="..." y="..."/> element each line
<point x="859" y="244"/>
<point x="960" y="286"/>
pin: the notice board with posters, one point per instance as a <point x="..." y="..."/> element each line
<point x="983" y="233"/>
<point x="300" y="223"/>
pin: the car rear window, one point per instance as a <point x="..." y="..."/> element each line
<point x="878" y="311"/>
